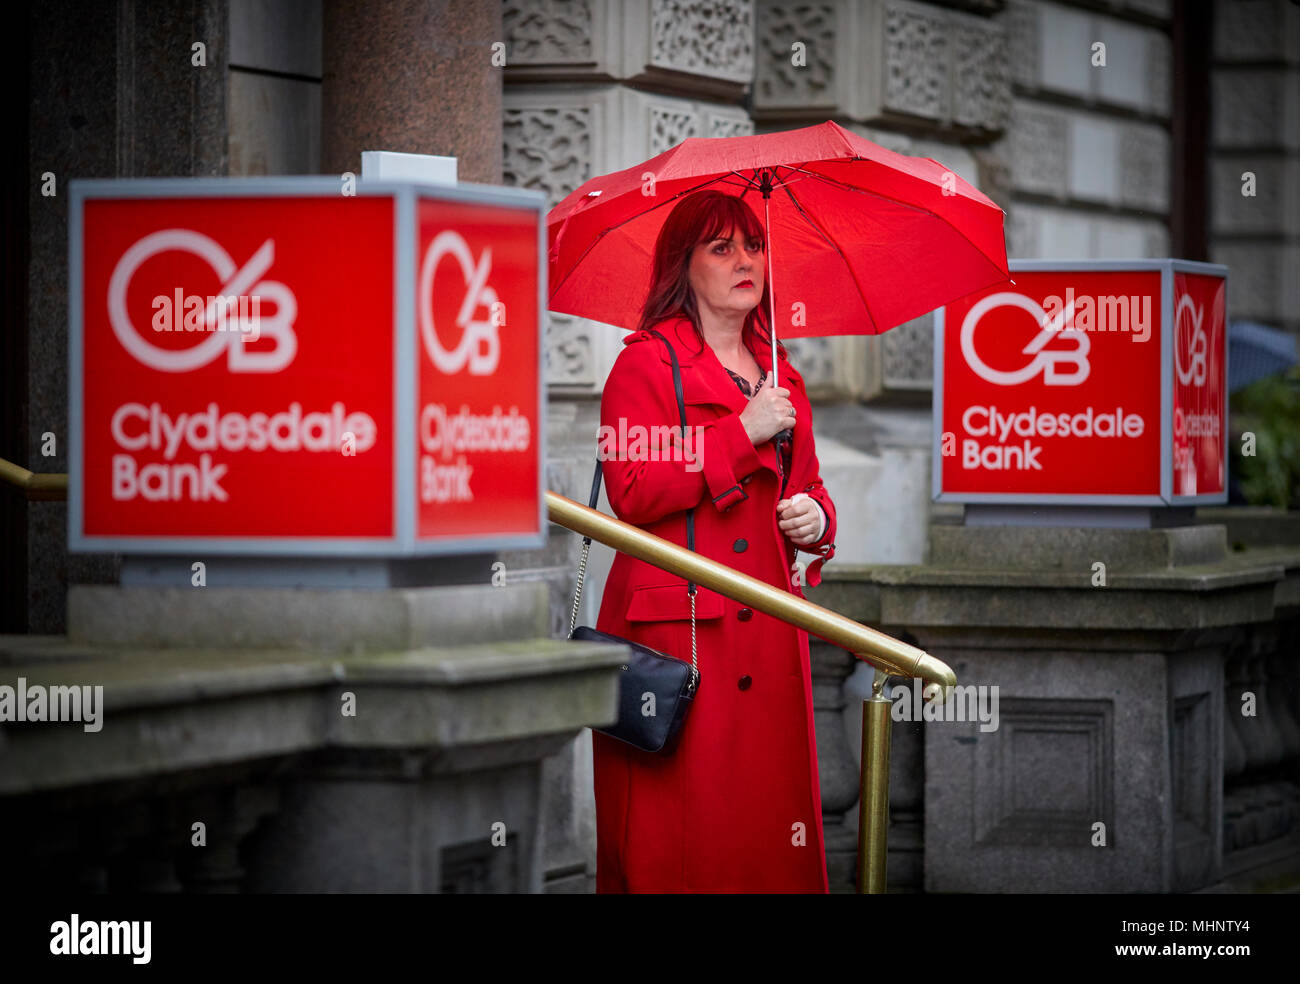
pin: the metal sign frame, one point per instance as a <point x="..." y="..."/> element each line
<point x="1166" y="268"/>
<point x="404" y="195"/>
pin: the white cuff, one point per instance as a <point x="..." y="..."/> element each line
<point x="821" y="513"/>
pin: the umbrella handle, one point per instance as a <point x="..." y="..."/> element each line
<point x="785" y="437"/>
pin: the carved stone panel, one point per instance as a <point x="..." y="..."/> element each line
<point x="727" y="124"/>
<point x="1046" y="776"/>
<point x="553" y="143"/>
<point x="1255" y="108"/>
<point x="1256" y="30"/>
<point x="1039" y="146"/>
<point x="549" y="32"/>
<point x="1257" y="278"/>
<point x="796" y="60"/>
<point x="1020" y="19"/>
<point x="981" y="77"/>
<point x="1273" y="207"/>
<point x="703" y="37"/>
<point x="833" y="368"/>
<point x="670" y="126"/>
<point x="908" y="352"/>
<point x="693" y="48"/>
<point x="1144" y="167"/>
<point x="941" y="65"/>
<point x="547" y="149"/>
<point x="650" y="123"/>
<point x="869" y="60"/>
<point x="569" y="351"/>
<point x="917" y="56"/>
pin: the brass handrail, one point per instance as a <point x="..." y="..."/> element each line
<point x="882" y="651"/>
<point x="38" y="487"/>
<point x="888" y="655"/>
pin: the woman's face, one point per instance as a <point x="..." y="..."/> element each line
<point x="727" y="273"/>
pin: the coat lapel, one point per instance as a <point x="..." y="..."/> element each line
<point x="705" y="381"/>
<point x="701" y="386"/>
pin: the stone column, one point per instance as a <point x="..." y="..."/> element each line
<point x="117" y="90"/>
<point x="838" y="772"/>
<point x="414" y="76"/>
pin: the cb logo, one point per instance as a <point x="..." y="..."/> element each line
<point x="1052" y="363"/>
<point x="479" y="346"/>
<point x="1197" y="349"/>
<point x="235" y="281"/>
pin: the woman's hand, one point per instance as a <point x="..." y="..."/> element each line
<point x="799" y="520"/>
<point x="769" y="412"/>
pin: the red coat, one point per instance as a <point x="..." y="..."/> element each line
<point x="719" y="813"/>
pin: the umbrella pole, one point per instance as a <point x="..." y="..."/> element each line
<point x="771" y="292"/>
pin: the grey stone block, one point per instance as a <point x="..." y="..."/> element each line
<point x="1074" y="549"/>
<point x="429" y="781"/>
<point x="319" y="620"/>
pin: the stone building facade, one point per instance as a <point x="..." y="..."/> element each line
<point x="1139" y="155"/>
<point x="1076" y="142"/>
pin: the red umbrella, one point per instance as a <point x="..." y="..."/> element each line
<point x="864" y="237"/>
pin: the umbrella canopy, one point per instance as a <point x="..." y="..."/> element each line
<point x="1256" y="351"/>
<point x="863" y="237"/>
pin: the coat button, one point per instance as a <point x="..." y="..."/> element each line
<point x="741" y="545"/>
<point x="744" y="682"/>
<point x="745" y="614"/>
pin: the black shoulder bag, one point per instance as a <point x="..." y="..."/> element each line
<point x="672" y="681"/>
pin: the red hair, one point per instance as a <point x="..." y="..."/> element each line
<point x="701" y="218"/>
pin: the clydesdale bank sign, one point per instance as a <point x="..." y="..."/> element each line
<point x="1089" y="383"/>
<point x="291" y="366"/>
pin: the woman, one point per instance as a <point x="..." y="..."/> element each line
<point x="735" y="807"/>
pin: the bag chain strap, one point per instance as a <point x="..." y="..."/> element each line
<point x="582" y="573"/>
<point x="577" y="595"/>
<point x="690" y="528"/>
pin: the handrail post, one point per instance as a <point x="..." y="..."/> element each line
<point x="873" y="802"/>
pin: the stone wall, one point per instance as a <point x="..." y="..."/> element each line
<point x="1255" y="131"/>
<point x="1079" y="155"/>
<point x="275" y="87"/>
<point x="115" y="92"/>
